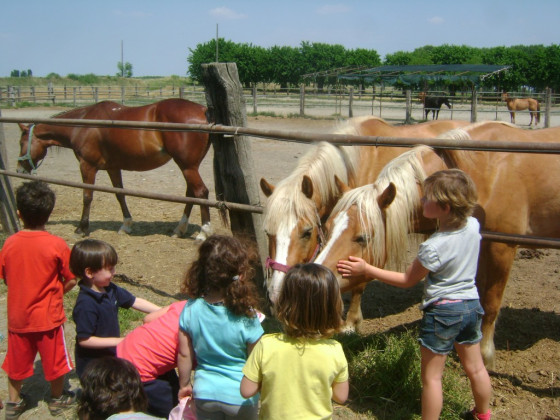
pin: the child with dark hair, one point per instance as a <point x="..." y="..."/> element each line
<point x="112" y="390"/>
<point x="219" y="327"/>
<point x="96" y="310"/>
<point x="34" y="266"/>
<point x="300" y="371"/>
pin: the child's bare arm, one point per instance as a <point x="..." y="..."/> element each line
<point x="94" y="342"/>
<point x="340" y="391"/>
<point x="144" y="305"/>
<point x="69" y="285"/>
<point x="248" y="388"/>
<point x="185" y="357"/>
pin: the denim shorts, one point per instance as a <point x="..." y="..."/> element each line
<point x="444" y="325"/>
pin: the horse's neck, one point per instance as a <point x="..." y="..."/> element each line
<point x="54" y="135"/>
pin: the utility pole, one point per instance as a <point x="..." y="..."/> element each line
<point x="122" y="60"/>
<point x="217" y="61"/>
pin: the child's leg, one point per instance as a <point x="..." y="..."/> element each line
<point x="472" y="362"/>
<point x="14" y="388"/>
<point x="57" y="386"/>
<point x="432" y="393"/>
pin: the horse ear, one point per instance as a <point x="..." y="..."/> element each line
<point x="266" y="188"/>
<point x="387" y="197"/>
<point x="342" y="187"/>
<point x="23" y="127"/>
<point x="307" y="187"/>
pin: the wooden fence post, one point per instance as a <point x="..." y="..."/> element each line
<point x="123" y="94"/>
<point x="8" y="215"/>
<point x="301" y="100"/>
<point x="350" y="102"/>
<point x="408" y="112"/>
<point x="255" y="99"/>
<point x="234" y="174"/>
<point x="548" y="103"/>
<point x="474" y="100"/>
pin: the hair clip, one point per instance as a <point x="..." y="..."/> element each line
<point x="235" y="278"/>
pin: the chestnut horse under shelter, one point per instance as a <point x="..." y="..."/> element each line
<point x="518" y="193"/>
<point x="115" y="149"/>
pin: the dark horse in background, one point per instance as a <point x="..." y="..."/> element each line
<point x="433" y="103"/>
<point x="115" y="149"/>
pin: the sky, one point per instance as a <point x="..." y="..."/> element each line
<point x="81" y="37"/>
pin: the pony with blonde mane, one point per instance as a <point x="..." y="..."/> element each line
<point x="521" y="104"/>
<point x="518" y="193"/>
<point x="296" y="208"/>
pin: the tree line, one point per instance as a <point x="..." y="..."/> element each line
<point x="533" y="67"/>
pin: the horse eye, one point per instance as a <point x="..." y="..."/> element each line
<point x="307" y="233"/>
<point x="361" y="240"/>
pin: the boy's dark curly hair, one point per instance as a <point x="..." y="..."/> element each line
<point x="109" y="386"/>
<point x="224" y="263"/>
<point x="35" y="203"/>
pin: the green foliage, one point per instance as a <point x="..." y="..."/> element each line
<point x="85" y="79"/>
<point x="124" y="70"/>
<point x="385" y="377"/>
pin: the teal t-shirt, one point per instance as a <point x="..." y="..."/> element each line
<point x="219" y="340"/>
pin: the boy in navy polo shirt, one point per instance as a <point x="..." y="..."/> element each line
<point x="96" y="310"/>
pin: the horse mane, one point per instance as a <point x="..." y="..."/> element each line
<point x="390" y="239"/>
<point x="288" y="204"/>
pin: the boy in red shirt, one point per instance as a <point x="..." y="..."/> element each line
<point x="35" y="266"/>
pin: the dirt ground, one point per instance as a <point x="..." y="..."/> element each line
<point x="525" y="381"/>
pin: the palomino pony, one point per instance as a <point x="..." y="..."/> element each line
<point x="521" y="104"/>
<point x="517" y="194"/>
<point x="296" y="208"/>
<point x="115" y="149"/>
<point x="433" y="103"/>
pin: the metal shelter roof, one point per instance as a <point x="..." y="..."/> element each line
<point x="415" y="74"/>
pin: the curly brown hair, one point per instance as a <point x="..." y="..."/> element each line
<point x="310" y="305"/>
<point x="225" y="263"/>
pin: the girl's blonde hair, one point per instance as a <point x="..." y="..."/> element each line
<point x="455" y="188"/>
<point x="310" y="305"/>
<point x="92" y="254"/>
<point x="224" y="263"/>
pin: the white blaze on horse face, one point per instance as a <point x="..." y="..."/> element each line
<point x="339" y="226"/>
<point x="282" y="247"/>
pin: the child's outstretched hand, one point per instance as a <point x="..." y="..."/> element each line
<point x="352" y="267"/>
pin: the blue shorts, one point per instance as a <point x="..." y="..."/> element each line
<point x="444" y="325"/>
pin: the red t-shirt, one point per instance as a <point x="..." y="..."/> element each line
<point x="152" y="347"/>
<point x="34" y="266"/>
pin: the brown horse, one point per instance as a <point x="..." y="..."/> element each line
<point x="518" y="193"/>
<point x="521" y="104"/>
<point x="296" y="208"/>
<point x="115" y="149"/>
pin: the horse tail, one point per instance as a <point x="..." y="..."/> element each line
<point x="210" y="115"/>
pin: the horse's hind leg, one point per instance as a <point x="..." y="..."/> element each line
<point x="197" y="189"/>
<point x="116" y="179"/>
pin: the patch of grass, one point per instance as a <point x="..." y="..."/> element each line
<point x="262" y="114"/>
<point x="385" y="377"/>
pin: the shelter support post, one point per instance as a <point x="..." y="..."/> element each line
<point x="302" y="100"/>
<point x="350" y="102"/>
<point x="8" y="214"/>
<point x="474" y="101"/>
<point x="233" y="157"/>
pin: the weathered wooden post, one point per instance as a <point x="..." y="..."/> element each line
<point x="255" y="99"/>
<point x="350" y="102"/>
<point x="302" y="101"/>
<point x="408" y="113"/>
<point x="123" y="94"/>
<point x="8" y="215"/>
<point x="547" y="104"/>
<point x="234" y="174"/>
<point x="474" y="101"/>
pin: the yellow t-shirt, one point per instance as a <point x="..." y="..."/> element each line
<point x="296" y="376"/>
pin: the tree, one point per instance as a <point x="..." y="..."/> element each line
<point x="14" y="73"/>
<point x="124" y="71"/>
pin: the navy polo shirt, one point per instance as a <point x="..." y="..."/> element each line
<point x="96" y="314"/>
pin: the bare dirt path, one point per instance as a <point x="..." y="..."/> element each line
<point x="525" y="381"/>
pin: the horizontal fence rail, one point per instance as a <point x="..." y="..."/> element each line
<point x="297" y="137"/>
<point x="338" y="139"/>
